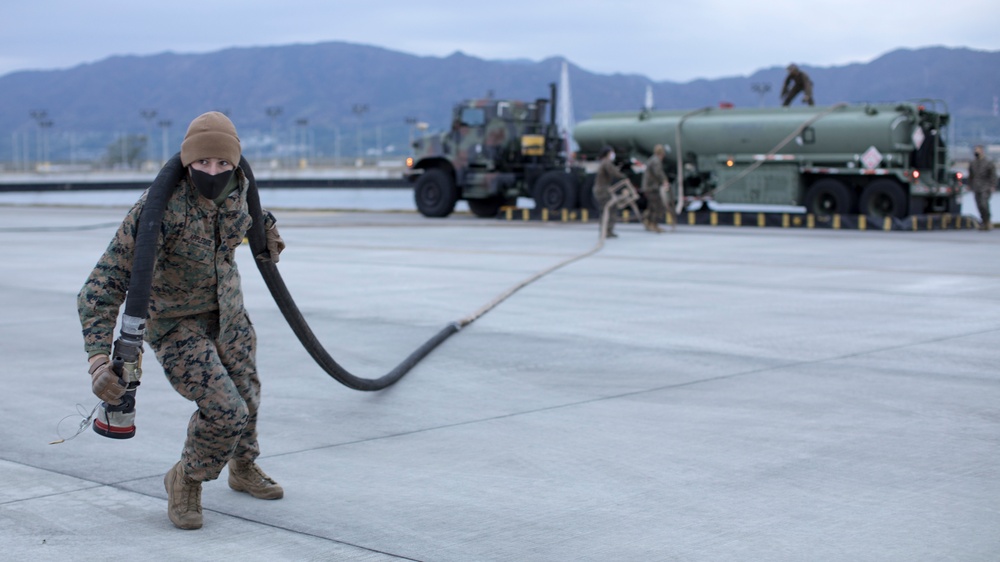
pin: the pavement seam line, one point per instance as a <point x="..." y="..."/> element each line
<point x="118" y="486"/>
<point x="638" y="392"/>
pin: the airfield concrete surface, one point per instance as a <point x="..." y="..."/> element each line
<point x="704" y="394"/>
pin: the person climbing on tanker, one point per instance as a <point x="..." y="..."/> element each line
<point x="655" y="186"/>
<point x="795" y="82"/>
<point x="607" y="175"/>
<point x="983" y="182"/>
<point x="197" y="324"/>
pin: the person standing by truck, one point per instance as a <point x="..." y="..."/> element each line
<point x="796" y="81"/>
<point x="654" y="179"/>
<point x="983" y="182"/>
<point x="607" y="175"/>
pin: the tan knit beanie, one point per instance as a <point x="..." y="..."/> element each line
<point x="211" y="135"/>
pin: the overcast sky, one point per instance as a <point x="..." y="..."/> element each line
<point x="661" y="39"/>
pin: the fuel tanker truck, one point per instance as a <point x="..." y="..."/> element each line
<point x="881" y="160"/>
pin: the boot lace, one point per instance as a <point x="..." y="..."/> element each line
<point x="252" y="473"/>
<point x="191" y="494"/>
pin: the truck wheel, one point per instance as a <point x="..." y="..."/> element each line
<point x="435" y="194"/>
<point x="884" y="198"/>
<point x="828" y="197"/>
<point x="555" y="190"/>
<point x="485" y="208"/>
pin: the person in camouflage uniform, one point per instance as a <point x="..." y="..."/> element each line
<point x="983" y="182"/>
<point x="197" y="324"/>
<point x="653" y="179"/>
<point x="607" y="175"/>
<point x="796" y="81"/>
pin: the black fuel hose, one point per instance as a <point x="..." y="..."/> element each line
<point x="276" y="285"/>
<point x="128" y="346"/>
<point x="129" y="343"/>
<point x="148" y="235"/>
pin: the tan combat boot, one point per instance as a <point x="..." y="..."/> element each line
<point x="183" y="499"/>
<point x="248" y="477"/>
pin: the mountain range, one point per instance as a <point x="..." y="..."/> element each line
<point x="334" y="98"/>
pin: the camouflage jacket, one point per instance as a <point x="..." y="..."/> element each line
<point x="982" y="174"/>
<point x="796" y="78"/>
<point x="607" y="175"/>
<point x="654" y="176"/>
<point x="195" y="270"/>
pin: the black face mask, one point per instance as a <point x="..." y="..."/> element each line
<point x="210" y="186"/>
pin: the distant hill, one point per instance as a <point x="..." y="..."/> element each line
<point x="363" y="95"/>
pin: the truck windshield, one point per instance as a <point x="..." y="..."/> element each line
<point x="514" y="111"/>
<point x="473" y="116"/>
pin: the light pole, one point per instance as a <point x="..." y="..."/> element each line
<point x="38" y="115"/>
<point x="149" y="115"/>
<point x="359" y="109"/>
<point x="411" y="122"/>
<point x="422" y="126"/>
<point x="164" y="137"/>
<point x="45" y="125"/>
<point x="762" y="88"/>
<point x="336" y="145"/>
<point x="124" y="147"/>
<point x="273" y="112"/>
<point x="302" y="122"/>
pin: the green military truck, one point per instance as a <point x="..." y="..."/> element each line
<point x="494" y="152"/>
<point x="880" y="160"/>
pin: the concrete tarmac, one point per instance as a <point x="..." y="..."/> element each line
<point x="705" y="394"/>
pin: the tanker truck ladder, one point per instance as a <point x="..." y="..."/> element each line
<point x="939" y="122"/>
<point x="680" y="157"/>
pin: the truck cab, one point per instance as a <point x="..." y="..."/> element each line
<point x="494" y="151"/>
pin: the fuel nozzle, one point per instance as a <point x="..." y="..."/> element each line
<point x="117" y="421"/>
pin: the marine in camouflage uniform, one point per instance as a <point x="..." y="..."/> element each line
<point x="197" y="326"/>
<point x="607" y="175"/>
<point x="653" y="179"/>
<point x="983" y="181"/>
<point x="796" y="81"/>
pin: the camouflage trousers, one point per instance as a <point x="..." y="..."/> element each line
<point x="601" y="199"/>
<point x="983" y="204"/>
<point x="656" y="210"/>
<point x="217" y="372"/>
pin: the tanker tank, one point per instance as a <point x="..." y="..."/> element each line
<point x="887" y="128"/>
<point x="878" y="159"/>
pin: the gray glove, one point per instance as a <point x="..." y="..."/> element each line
<point x="106" y="385"/>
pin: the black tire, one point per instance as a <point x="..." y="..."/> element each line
<point x="435" y="194"/>
<point x="485" y="208"/>
<point x="828" y="197"/>
<point x="884" y="198"/>
<point x="555" y="190"/>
